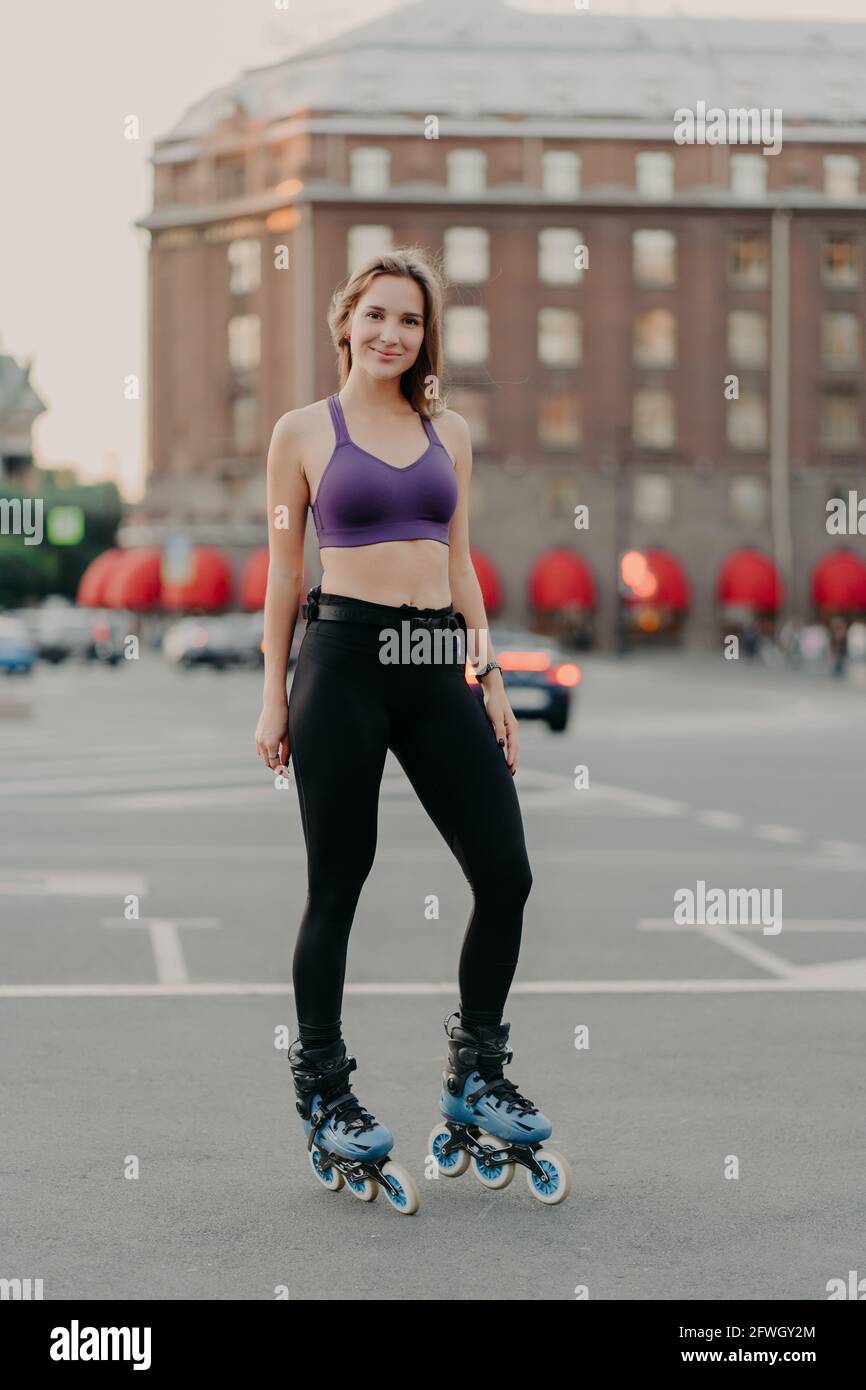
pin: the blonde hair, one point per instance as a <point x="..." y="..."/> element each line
<point x="415" y="263"/>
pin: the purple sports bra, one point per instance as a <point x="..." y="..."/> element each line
<point x="362" y="499"/>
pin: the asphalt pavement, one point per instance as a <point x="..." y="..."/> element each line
<point x="152" y="878"/>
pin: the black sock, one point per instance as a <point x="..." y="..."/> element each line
<point x="319" y="1034"/>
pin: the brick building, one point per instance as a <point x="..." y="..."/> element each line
<point x="507" y="140"/>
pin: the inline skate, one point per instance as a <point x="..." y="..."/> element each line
<point x="488" y="1122"/>
<point x="346" y="1143"/>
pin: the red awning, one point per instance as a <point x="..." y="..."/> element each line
<point x="254" y="580"/>
<point x="839" y="582"/>
<point x="489" y="581"/>
<point x="658" y="578"/>
<point x="134" y="582"/>
<point x="561" y="579"/>
<point x="749" y="579"/>
<point x="93" y="582"/>
<point x="210" y="584"/>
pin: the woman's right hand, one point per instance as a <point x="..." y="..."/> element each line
<point x="271" y="731"/>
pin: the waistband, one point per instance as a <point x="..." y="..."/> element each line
<point x="342" y="608"/>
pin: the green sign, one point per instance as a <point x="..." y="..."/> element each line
<point x="65" y="525"/>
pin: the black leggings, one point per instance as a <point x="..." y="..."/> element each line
<point x="346" y="709"/>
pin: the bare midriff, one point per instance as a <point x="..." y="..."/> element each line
<point x="390" y="572"/>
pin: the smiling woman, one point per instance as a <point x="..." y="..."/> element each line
<point x="389" y="494"/>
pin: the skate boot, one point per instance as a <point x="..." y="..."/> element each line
<point x="345" y="1142"/>
<point x="488" y="1122"/>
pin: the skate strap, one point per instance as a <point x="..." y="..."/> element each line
<point x="501" y="1089"/>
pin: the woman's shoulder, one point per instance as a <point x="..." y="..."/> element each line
<point x="451" y="426"/>
<point x="296" y="424"/>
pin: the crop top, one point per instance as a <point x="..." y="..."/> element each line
<point x="361" y="499"/>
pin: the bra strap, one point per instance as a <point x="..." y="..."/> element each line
<point x="338" y="420"/>
<point x="429" y="430"/>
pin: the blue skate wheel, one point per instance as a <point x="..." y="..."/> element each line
<point x="331" y="1178"/>
<point x="558" y="1183"/>
<point x="365" y="1189"/>
<point x="450" y="1165"/>
<point x="495" y="1175"/>
<point x="405" y="1199"/>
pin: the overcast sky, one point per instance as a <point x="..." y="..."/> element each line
<point x="73" y="267"/>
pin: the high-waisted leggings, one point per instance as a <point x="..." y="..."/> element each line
<point x="346" y="709"/>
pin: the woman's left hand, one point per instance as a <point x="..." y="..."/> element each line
<point x="504" y="724"/>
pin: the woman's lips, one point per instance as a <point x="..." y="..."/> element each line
<point x="385" y="354"/>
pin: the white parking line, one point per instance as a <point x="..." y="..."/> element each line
<point x="806" y="924"/>
<point x="827" y="980"/>
<point x="720" y="820"/>
<point x="843" y="848"/>
<point x="756" y="955"/>
<point x="780" y="834"/>
<point x="36" y="883"/>
<point x="165" y="941"/>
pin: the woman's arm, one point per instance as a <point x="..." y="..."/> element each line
<point x="467" y="598"/>
<point x="287" y="500"/>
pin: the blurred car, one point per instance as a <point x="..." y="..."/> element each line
<point x="220" y="641"/>
<point x="61" y="631"/>
<point x="17" y="648"/>
<point x="538" y="673"/>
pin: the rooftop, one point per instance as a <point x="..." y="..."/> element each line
<point x="476" y="58"/>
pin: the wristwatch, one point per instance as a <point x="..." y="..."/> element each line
<point x="485" y="670"/>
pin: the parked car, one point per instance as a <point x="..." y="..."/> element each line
<point x="17" y="648"/>
<point x="62" y="630"/>
<point x="538" y="673"/>
<point x="220" y="641"/>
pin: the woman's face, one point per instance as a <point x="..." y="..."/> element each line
<point x="388" y="326"/>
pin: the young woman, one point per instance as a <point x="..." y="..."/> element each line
<point x="389" y="496"/>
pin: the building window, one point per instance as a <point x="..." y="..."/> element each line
<point x="748" y="499"/>
<point x="748" y="262"/>
<point x="467" y="255"/>
<point x="365" y="240"/>
<point x="245" y="265"/>
<point x="183" y="182"/>
<point x="244" y="342"/>
<point x="654" y="341"/>
<point x="275" y="158"/>
<point x="841" y="262"/>
<point x="467" y="172"/>
<point x="653" y="498"/>
<point x="473" y="406"/>
<point x="840" y="341"/>
<point x="558" y="337"/>
<point x="747" y="338"/>
<point x="749" y="175"/>
<point x="230" y="177"/>
<point x="747" y="422"/>
<point x="840" y="419"/>
<point x="244" y="423"/>
<point x="841" y="175"/>
<point x="557" y="253"/>
<point x="370" y="167"/>
<point x="560" y="173"/>
<point x="653" y="418"/>
<point x="654" y="174"/>
<point x="559" y="424"/>
<point x="559" y="495"/>
<point x="466" y="335"/>
<point x="654" y="257"/>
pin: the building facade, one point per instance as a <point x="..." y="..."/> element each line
<point x="666" y="331"/>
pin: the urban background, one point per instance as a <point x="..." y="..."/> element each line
<point x="597" y="385"/>
<point x="656" y="336"/>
